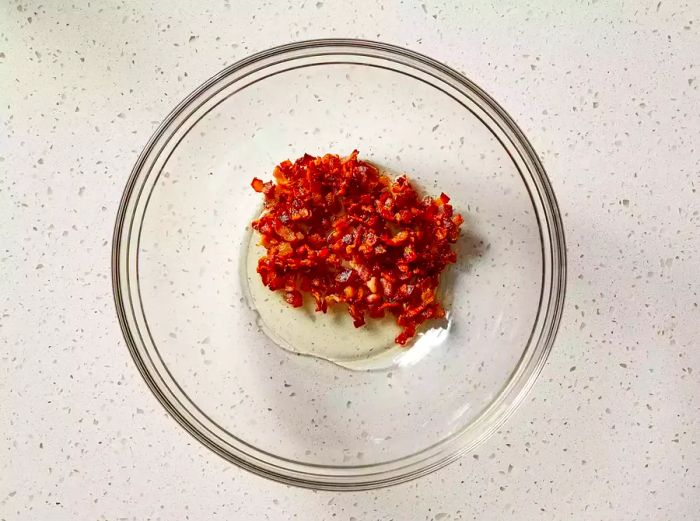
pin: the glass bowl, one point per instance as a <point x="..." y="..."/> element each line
<point x="182" y="288"/>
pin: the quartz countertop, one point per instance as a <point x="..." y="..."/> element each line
<point x="607" y="92"/>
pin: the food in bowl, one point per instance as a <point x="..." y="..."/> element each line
<point x="340" y="230"/>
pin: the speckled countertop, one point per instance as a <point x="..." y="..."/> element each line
<point x="606" y="91"/>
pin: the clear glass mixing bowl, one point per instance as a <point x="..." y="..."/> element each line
<point x="179" y="266"/>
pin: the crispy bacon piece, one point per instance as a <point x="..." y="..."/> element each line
<point x="345" y="233"/>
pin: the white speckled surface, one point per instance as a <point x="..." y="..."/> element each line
<point x="607" y="93"/>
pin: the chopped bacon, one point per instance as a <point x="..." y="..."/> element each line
<point x="257" y="184"/>
<point x="339" y="229"/>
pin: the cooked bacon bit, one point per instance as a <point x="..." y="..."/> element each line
<point x="257" y="184"/>
<point x="294" y="298"/>
<point x="397" y="239"/>
<point x="372" y="284"/>
<point x="284" y="249"/>
<point x="338" y="229"/>
<point x="285" y="232"/>
<point x="372" y="298"/>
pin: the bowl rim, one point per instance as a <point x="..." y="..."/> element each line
<point x="384" y="473"/>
